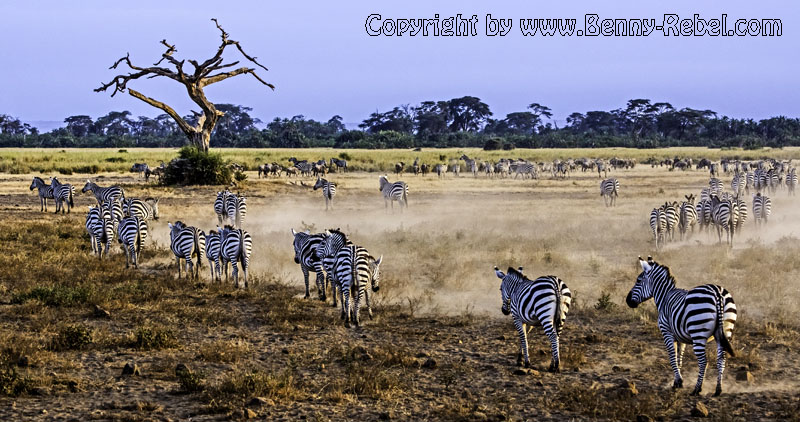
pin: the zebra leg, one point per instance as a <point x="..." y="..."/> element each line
<point x="700" y="351"/>
<point x="523" y="344"/>
<point x="178" y="262"/>
<point x="720" y="368"/>
<point x="245" y="265"/>
<point x="235" y="273"/>
<point x="189" y="267"/>
<point x="218" y="270"/>
<point x="554" y="365"/>
<point x="669" y="344"/>
<point x="134" y="257"/>
<point x="681" y="347"/>
<point x="211" y="268"/>
<point x="366" y="300"/>
<point x="346" y="306"/>
<point x="305" y="277"/>
<point x="321" y="290"/>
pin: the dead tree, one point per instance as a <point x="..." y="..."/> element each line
<point x="205" y="74"/>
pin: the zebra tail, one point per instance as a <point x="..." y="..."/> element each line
<point x="719" y="331"/>
<point x="71" y="204"/>
<point x="557" y="313"/>
<point x="405" y="195"/>
<point x="197" y="248"/>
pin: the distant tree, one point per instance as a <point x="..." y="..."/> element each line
<point x="335" y="125"/>
<point x="430" y="118"/>
<point x="234" y="121"/>
<point x="79" y="126"/>
<point x="467" y="114"/>
<point x="399" y="119"/>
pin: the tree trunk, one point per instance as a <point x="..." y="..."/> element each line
<point x="201" y="140"/>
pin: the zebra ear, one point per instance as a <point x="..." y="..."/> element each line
<point x="294" y="233"/>
<point x="498" y="273"/>
<point x="378" y="262"/>
<point x="308" y="231"/>
<point x="170" y="225"/>
<point x="645" y="265"/>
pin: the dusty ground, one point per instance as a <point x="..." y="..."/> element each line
<point x="438" y="348"/>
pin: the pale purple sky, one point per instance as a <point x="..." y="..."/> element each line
<point x="324" y="63"/>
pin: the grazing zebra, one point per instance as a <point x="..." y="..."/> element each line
<point x="328" y="191"/>
<point x="131" y="233"/>
<point x="688" y="215"/>
<point x="187" y="242"/>
<point x="791" y="181"/>
<point x="146" y="209"/>
<point x="237" y="245"/>
<point x="354" y="268"/>
<point x="724" y="215"/>
<point x="305" y="253"/>
<point x="213" y="246"/>
<point x="103" y="194"/>
<point x="397" y="191"/>
<point x="762" y="208"/>
<point x="472" y="166"/>
<point x="235" y="209"/>
<point x="687" y="317"/>
<point x="609" y="189"/>
<point x="62" y="193"/>
<point x="219" y="205"/>
<point x="45" y="192"/>
<point x="140" y="168"/>
<point x="658" y="224"/>
<point x="340" y="164"/>
<point x="672" y="214"/>
<point x="544" y="301"/>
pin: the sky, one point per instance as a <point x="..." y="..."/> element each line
<point x="323" y="62"/>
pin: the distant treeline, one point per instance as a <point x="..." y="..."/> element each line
<point x="459" y="122"/>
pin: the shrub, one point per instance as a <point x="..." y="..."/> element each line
<point x="153" y="337"/>
<point x="239" y="176"/>
<point x="493" y="144"/>
<point x="11" y="383"/>
<point x="195" y="167"/>
<point x="115" y="159"/>
<point x="190" y="381"/>
<point x="508" y="146"/>
<point x="345" y="156"/>
<point x="71" y="337"/>
<point x="123" y="151"/>
<point x="604" y="303"/>
<point x="54" y="296"/>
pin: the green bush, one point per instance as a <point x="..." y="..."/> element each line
<point x="153" y="338"/>
<point x="115" y="159"/>
<point x="493" y="144"/>
<point x="195" y="167"/>
<point x="345" y="156"/>
<point x="11" y="383"/>
<point x="54" y="296"/>
<point x="239" y="176"/>
<point x="71" y="337"/>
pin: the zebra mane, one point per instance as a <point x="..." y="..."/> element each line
<point x="228" y="227"/>
<point x="38" y="178"/>
<point x="670" y="277"/>
<point x="339" y="232"/>
<point x="516" y="272"/>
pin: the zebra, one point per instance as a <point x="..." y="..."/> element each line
<point x="715" y="186"/>
<point x="609" y="189"/>
<point x="103" y="194"/>
<point x="92" y="221"/>
<point x="658" y="224"/>
<point x="131" y="233"/>
<point x="340" y="164"/>
<point x="305" y="253"/>
<point x="738" y="183"/>
<point x="399" y="167"/>
<point x="525" y="169"/>
<point x="688" y="215"/>
<point x="724" y="215"/>
<point x="472" y="166"/>
<point x="45" y="192"/>
<point x="237" y="245"/>
<point x="186" y="242"/>
<point x="213" y="246"/>
<point x="100" y="225"/>
<point x="353" y="269"/>
<point x="762" y="208"/>
<point x="114" y="207"/>
<point x="544" y="301"/>
<point x="672" y="215"/>
<point x="397" y="191"/>
<point x="140" y="168"/>
<point x="146" y="209"/>
<point x="415" y="166"/>
<point x="219" y="205"/>
<point x="235" y="209"/>
<point x="791" y="181"/>
<point x="62" y="193"/>
<point x="441" y="170"/>
<point x="456" y="169"/>
<point x="489" y="169"/>
<point x="425" y="168"/>
<point x="741" y="206"/>
<point x="333" y="241"/>
<point x="687" y="317"/>
<point x="328" y="191"/>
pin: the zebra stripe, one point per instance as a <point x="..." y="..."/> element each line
<point x="114" y="207"/>
<point x="354" y="269"/>
<point x="762" y="208"/>
<point x="235" y="209"/>
<point x="328" y="191"/>
<point x="672" y="215"/>
<point x="688" y="215"/>
<point x="658" y="224"/>
<point x="143" y="209"/>
<point x="544" y="301"/>
<point x="132" y="232"/>
<point x="219" y="206"/>
<point x="103" y="194"/>
<point x="305" y="254"/>
<point x="186" y="242"/>
<point x="213" y="251"/>
<point x="397" y="191"/>
<point x="45" y="192"/>
<point x="724" y="215"/>
<point x="332" y="242"/>
<point x="62" y="193"/>
<point x="237" y="246"/>
<point x="687" y="317"/>
<point x="791" y="181"/>
<point x="609" y="189"/>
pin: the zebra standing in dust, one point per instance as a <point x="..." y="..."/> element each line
<point x="762" y="208"/>
<point x="131" y="233"/>
<point x="340" y="164"/>
<point x="187" y="242"/>
<point x="741" y="206"/>
<point x="100" y="225"/>
<point x="62" y="193"/>
<point x="145" y="210"/>
<point x="235" y="209"/>
<point x="237" y="246"/>
<point x="440" y="169"/>
<point x="219" y="206"/>
<point x="688" y="215"/>
<point x="305" y="253"/>
<point x="103" y="194"/>
<point x="472" y="166"/>
<point x="687" y="317"/>
<point x="724" y="215"/>
<point x="213" y="246"/>
<point x="658" y="224"/>
<point x="544" y="301"/>
<point x="397" y="191"/>
<point x="46" y="192"/>
<point x="609" y="189"/>
<point x="672" y="214"/>
<point x="791" y="181"/>
<point x="354" y="268"/>
<point x="328" y="191"/>
<point x="333" y="241"/>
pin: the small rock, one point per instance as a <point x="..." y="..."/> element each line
<point x="249" y="414"/>
<point x="627" y="388"/>
<point x="23" y="361"/>
<point x="744" y="376"/>
<point x="520" y="371"/>
<point x="643" y="418"/>
<point x="429" y="363"/>
<point x="616" y="368"/>
<point x="385" y="416"/>
<point x="44" y="411"/>
<point x="699" y="410"/>
<point x="260" y="402"/>
<point x="101" y="313"/>
<point x="131" y="368"/>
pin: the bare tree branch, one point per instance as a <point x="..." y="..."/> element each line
<point x="185" y="127"/>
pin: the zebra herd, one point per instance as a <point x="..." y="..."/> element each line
<point x="506" y="167"/>
<point x="302" y="168"/>
<point x="231" y="208"/>
<point x="61" y="194"/>
<point x="724" y="211"/>
<point x="339" y="263"/>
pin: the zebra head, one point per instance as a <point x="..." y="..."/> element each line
<point x="153" y="202"/>
<point x="320" y="183"/>
<point x="375" y="268"/>
<point x="643" y="289"/>
<point x="89" y="186"/>
<point x="37" y="182"/>
<point x="505" y="289"/>
<point x="174" y="229"/>
<point x="384" y="180"/>
<point x="299" y="238"/>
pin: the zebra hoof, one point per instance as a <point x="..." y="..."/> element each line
<point x="347" y="324"/>
<point x="677" y="384"/>
<point x="306" y="296"/>
<point x="323" y="298"/>
<point x="696" y="392"/>
<point x="718" y="391"/>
